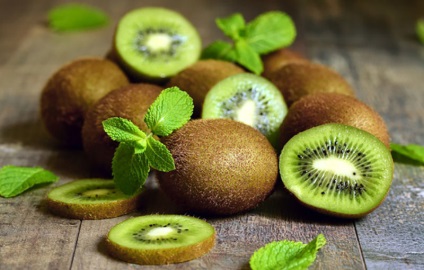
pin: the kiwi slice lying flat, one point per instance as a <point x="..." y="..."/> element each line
<point x="250" y="99"/>
<point x="337" y="169"/>
<point x="90" y="199"/>
<point x="160" y="239"/>
<point x="156" y="43"/>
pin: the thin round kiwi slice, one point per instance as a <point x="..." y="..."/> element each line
<point x="91" y="199"/>
<point x="156" y="43"/>
<point x="337" y="169"/>
<point x="160" y="239"/>
<point x="249" y="99"/>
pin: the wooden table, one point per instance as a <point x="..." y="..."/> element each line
<point x="371" y="43"/>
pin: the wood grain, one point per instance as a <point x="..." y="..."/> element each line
<point x="372" y="44"/>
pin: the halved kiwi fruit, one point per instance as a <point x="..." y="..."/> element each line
<point x="90" y="199"/>
<point x="337" y="169"/>
<point x="160" y="239"/>
<point x="249" y="99"/>
<point x="155" y="43"/>
<point x="71" y="91"/>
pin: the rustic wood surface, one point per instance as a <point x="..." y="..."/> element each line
<point x="371" y="43"/>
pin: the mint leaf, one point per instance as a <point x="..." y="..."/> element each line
<point x="232" y="26"/>
<point x="286" y="254"/>
<point x="74" y="17"/>
<point x="130" y="170"/>
<point x="159" y="156"/>
<point x="122" y="130"/>
<point x="410" y="154"/>
<point x="171" y="110"/>
<point x="14" y="180"/>
<point x="248" y="58"/>
<point x="420" y="30"/>
<point x="270" y="31"/>
<point x="220" y="50"/>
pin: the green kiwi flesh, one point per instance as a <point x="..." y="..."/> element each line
<point x="160" y="239"/>
<point x="90" y="199"/>
<point x="223" y="167"/>
<point x="156" y="43"/>
<point x="337" y="169"/>
<point x="249" y="99"/>
<point x="71" y="91"/>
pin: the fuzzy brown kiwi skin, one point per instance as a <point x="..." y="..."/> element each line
<point x="168" y="256"/>
<point x="322" y="108"/>
<point x="296" y="80"/>
<point x="70" y="92"/>
<point x="130" y="102"/>
<point x="200" y="77"/>
<point x="279" y="58"/>
<point x="223" y="167"/>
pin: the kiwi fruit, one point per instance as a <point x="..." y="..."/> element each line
<point x="160" y="239"/>
<point x="296" y="80"/>
<point x="70" y="92"/>
<point x="250" y="99"/>
<point x="155" y="43"/>
<point x="223" y="167"/>
<point x="200" y="77"/>
<point x="337" y="169"/>
<point x="91" y="199"/>
<point x="322" y="108"/>
<point x="280" y="58"/>
<point x="129" y="102"/>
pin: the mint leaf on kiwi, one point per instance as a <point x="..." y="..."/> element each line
<point x="410" y="154"/>
<point x="232" y="26"/>
<point x="420" y="30"/>
<point x="159" y="156"/>
<point x="220" y="50"/>
<point x="122" y="130"/>
<point x="170" y="111"/>
<point x="248" y="58"/>
<point x="287" y="254"/>
<point x="76" y="17"/>
<point x="14" y="180"/>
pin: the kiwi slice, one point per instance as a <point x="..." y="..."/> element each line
<point x="91" y="199"/>
<point x="71" y="91"/>
<point x="249" y="99"/>
<point x="337" y="169"/>
<point x="160" y="239"/>
<point x="156" y="43"/>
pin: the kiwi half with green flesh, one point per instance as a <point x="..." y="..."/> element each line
<point x="156" y="43"/>
<point x="296" y="80"/>
<point x="280" y="58"/>
<point x="91" y="199"/>
<point x="200" y="77"/>
<point x="71" y="91"/>
<point x="130" y="102"/>
<point x="337" y="169"/>
<point x="223" y="167"/>
<point x="160" y="239"/>
<point x="250" y="99"/>
<point x="322" y="108"/>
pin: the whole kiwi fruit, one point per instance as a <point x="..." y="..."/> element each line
<point x="200" y="77"/>
<point x="223" y="167"/>
<point x="322" y="108"/>
<point x="279" y="58"/>
<point x="296" y="80"/>
<point x="130" y="102"/>
<point x="70" y="92"/>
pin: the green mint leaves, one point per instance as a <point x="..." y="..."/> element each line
<point x="420" y="30"/>
<point x="14" y="180"/>
<point x="138" y="151"/>
<point x="410" y="154"/>
<point x="266" y="33"/>
<point x="286" y="255"/>
<point x="75" y="17"/>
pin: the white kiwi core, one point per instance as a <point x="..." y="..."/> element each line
<point x="160" y="231"/>
<point x="337" y="166"/>
<point x="246" y="113"/>
<point x="159" y="42"/>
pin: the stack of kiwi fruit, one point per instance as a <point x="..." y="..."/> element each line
<point x="299" y="121"/>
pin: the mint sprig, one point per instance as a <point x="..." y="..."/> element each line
<point x="14" y="180"/>
<point x="266" y="33"/>
<point x="412" y="154"/>
<point x="138" y="151"/>
<point x="76" y="17"/>
<point x="286" y="254"/>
